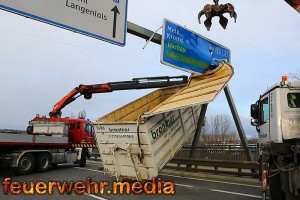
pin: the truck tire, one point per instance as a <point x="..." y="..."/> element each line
<point x="43" y="162"/>
<point x="26" y="164"/>
<point x="275" y="186"/>
<point x="82" y="162"/>
<point x="29" y="130"/>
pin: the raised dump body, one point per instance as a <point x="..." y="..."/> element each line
<point x="138" y="139"/>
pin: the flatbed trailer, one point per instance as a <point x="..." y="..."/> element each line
<point x="23" y="153"/>
<point x="8" y="140"/>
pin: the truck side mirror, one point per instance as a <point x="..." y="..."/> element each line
<point x="254" y="111"/>
<point x="254" y="122"/>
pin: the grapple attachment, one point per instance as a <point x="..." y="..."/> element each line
<point x="211" y="11"/>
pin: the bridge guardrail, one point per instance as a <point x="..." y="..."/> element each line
<point x="241" y="166"/>
<point x="218" y="152"/>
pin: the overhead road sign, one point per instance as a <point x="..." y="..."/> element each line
<point x="186" y="50"/>
<point x="102" y="19"/>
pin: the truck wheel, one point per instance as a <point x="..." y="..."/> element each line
<point x="29" y="130"/>
<point x="275" y="186"/>
<point x="43" y="162"/>
<point x="26" y="164"/>
<point x="82" y="162"/>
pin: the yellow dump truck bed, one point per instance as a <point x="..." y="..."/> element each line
<point x="138" y="139"/>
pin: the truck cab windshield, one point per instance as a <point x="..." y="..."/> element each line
<point x="87" y="128"/>
<point x="293" y="100"/>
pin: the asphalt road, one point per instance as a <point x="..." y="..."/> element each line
<point x="184" y="188"/>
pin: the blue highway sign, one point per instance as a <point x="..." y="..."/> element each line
<point x="189" y="51"/>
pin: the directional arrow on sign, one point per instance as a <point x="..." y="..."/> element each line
<point x="116" y="11"/>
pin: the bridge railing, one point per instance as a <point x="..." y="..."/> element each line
<point x="218" y="152"/>
<point x="239" y="168"/>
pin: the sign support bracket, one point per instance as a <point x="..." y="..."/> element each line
<point x="151" y="37"/>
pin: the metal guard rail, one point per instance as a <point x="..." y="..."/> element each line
<point x="252" y="167"/>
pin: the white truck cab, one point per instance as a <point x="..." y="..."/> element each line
<point x="277" y="113"/>
<point x="276" y="116"/>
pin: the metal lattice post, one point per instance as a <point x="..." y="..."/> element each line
<point x="238" y="124"/>
<point x="198" y="130"/>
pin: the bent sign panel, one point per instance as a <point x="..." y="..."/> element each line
<point x="189" y="51"/>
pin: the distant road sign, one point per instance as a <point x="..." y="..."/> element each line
<point x="102" y="19"/>
<point x="189" y="51"/>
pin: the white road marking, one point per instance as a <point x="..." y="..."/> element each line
<point x="235" y="193"/>
<point x="207" y="180"/>
<point x="189" y="186"/>
<point x="94" y="196"/>
<point x="93" y="170"/>
<point x="92" y="164"/>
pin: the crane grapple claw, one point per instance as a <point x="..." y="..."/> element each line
<point x="211" y="11"/>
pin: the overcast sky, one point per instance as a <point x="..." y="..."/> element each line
<point x="41" y="63"/>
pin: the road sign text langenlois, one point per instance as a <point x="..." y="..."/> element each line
<point x="102" y="19"/>
<point x="189" y="51"/>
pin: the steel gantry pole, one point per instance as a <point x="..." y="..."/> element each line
<point x="198" y="130"/>
<point x="238" y="124"/>
<point x="143" y="33"/>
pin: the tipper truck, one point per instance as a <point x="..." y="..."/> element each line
<point x="137" y="140"/>
<point x="54" y="140"/>
<point x="276" y="116"/>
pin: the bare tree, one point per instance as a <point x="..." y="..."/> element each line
<point x="252" y="140"/>
<point x="295" y="75"/>
<point x="220" y="124"/>
<point x="219" y="129"/>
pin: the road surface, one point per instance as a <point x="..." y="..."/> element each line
<point x="184" y="187"/>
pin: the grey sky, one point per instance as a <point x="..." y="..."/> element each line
<point x="41" y="63"/>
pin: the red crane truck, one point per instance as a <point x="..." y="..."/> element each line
<point x="53" y="140"/>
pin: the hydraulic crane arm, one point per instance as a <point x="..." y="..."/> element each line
<point x="136" y="83"/>
<point x="295" y="4"/>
